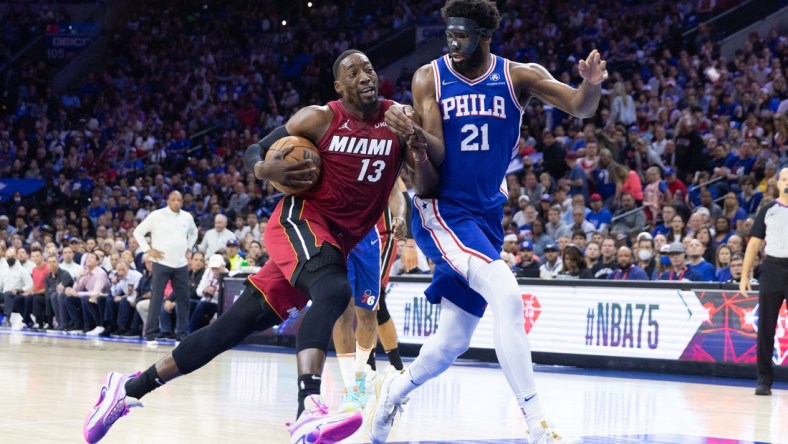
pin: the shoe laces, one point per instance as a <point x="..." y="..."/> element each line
<point x="393" y="409"/>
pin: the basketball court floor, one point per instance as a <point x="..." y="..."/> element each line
<point x="48" y="383"/>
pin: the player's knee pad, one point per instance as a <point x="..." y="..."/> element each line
<point x="330" y="295"/>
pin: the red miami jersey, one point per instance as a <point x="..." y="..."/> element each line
<point x="360" y="164"/>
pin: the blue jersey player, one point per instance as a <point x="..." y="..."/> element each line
<point x="467" y="111"/>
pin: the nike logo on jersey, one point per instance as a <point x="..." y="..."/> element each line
<point x="469" y="105"/>
<point x="374" y="242"/>
<point x="346" y="125"/>
<point x="444" y="83"/>
<point x="528" y="398"/>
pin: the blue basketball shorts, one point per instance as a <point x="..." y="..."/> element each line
<point x="363" y="268"/>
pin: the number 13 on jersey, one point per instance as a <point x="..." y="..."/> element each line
<point x="471" y="141"/>
<point x="373" y="172"/>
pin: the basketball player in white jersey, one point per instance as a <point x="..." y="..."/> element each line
<point x="467" y="109"/>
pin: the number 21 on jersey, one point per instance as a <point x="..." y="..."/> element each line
<point x="371" y="171"/>
<point x="476" y="138"/>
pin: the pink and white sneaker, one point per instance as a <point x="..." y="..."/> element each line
<point x="111" y="405"/>
<point x="317" y="426"/>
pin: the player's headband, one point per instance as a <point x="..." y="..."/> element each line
<point x="470" y="28"/>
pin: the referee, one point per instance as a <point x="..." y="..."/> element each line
<point x="771" y="224"/>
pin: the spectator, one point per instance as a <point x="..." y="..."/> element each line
<point x="36" y="300"/>
<point x="552" y="264"/>
<point x="88" y="288"/>
<point x="705" y="238"/>
<point x="627" y="182"/>
<point x="736" y="244"/>
<point x="749" y="198"/>
<point x="736" y="268"/>
<point x="732" y="212"/>
<point x="678" y="267"/>
<point x="233" y="255"/>
<point x="722" y="264"/>
<point x="539" y="238"/>
<point x="57" y="280"/>
<point x="645" y="254"/>
<point x="217" y="237"/>
<point x="16" y="283"/>
<point x="591" y="255"/>
<point x="655" y="195"/>
<point x="666" y="216"/>
<point x="555" y="227"/>
<point x="533" y="189"/>
<point x="722" y="231"/>
<point x="599" y="216"/>
<point x="529" y="261"/>
<point x="208" y="291"/>
<point x="676" y="187"/>
<point x="577" y="178"/>
<point x="118" y="312"/>
<point x="626" y="271"/>
<point x="625" y="220"/>
<point x="574" y="266"/>
<point x="697" y="263"/>
<point x="579" y="223"/>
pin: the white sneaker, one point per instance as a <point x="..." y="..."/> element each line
<point x="384" y="411"/>
<point x="95" y="332"/>
<point x="549" y="436"/>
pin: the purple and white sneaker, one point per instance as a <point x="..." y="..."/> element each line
<point x="111" y="405"/>
<point x="317" y="426"/>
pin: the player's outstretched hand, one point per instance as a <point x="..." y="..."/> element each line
<point x="593" y="68"/>
<point x="299" y="175"/>
<point x="399" y="119"/>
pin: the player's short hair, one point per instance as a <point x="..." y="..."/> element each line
<point x="483" y="12"/>
<point x="342" y="57"/>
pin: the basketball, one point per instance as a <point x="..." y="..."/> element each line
<point x="303" y="149"/>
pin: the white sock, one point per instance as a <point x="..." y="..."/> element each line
<point x="346" y="364"/>
<point x="531" y="407"/>
<point x="362" y="355"/>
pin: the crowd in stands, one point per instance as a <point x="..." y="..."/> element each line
<point x="678" y="159"/>
<point x="681" y="154"/>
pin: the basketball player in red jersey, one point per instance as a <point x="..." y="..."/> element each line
<point x="308" y="241"/>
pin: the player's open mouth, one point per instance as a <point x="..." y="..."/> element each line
<point x="368" y="91"/>
<point x="457" y="57"/>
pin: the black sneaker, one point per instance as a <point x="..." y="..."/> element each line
<point x="131" y="334"/>
<point x="165" y="337"/>
<point x="763" y="390"/>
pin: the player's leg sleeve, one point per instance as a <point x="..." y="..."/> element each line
<point x="248" y="314"/>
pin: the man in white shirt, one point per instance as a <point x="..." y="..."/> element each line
<point x="14" y="283"/>
<point x="172" y="232"/>
<point x="217" y="237"/>
<point x="122" y="291"/>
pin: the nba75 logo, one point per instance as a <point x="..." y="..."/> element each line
<point x="531" y="311"/>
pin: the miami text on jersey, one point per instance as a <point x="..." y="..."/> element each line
<point x="360" y="145"/>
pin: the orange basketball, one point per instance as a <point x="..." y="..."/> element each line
<point x="303" y="149"/>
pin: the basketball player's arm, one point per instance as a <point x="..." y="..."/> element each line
<point x="397" y="205"/>
<point x="581" y="102"/>
<point x="311" y="123"/>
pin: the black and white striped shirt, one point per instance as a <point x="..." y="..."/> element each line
<point x="771" y="225"/>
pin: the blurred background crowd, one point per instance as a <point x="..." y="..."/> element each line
<point x="663" y="183"/>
